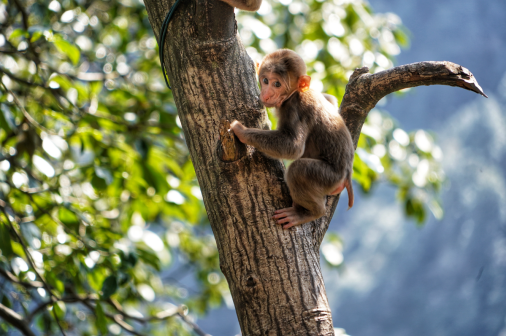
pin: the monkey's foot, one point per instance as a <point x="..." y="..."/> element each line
<point x="289" y="217"/>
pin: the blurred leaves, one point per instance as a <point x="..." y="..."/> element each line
<point x="409" y="161"/>
<point x="91" y="156"/>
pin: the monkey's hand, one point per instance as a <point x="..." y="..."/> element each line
<point x="238" y="130"/>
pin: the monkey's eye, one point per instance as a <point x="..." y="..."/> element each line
<point x="266" y="81"/>
<point x="277" y="84"/>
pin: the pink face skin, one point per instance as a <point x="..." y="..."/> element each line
<point x="273" y="92"/>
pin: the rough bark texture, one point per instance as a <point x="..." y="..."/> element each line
<point x="274" y="274"/>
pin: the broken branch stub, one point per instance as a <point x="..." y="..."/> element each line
<point x="230" y="148"/>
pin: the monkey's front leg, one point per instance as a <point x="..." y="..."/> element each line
<point x="276" y="144"/>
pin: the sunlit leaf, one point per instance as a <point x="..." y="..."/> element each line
<point x="17" y="248"/>
<point x="67" y="217"/>
<point x="17" y="33"/>
<point x="36" y="35"/>
<point x="60" y="309"/>
<point x="68" y="49"/>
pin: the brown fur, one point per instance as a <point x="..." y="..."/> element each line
<point x="248" y="5"/>
<point x="311" y="132"/>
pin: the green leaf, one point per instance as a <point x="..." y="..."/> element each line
<point x="101" y="321"/>
<point x="98" y="182"/>
<point x="95" y="88"/>
<point x="110" y="286"/>
<point x="17" y="248"/>
<point x="64" y="82"/>
<point x="401" y="37"/>
<point x="5" y="241"/>
<point x="414" y="208"/>
<point x="149" y="258"/>
<point x="128" y="260"/>
<point x="60" y="309"/>
<point x="53" y="281"/>
<point x="37" y="35"/>
<point x="95" y="279"/>
<point x="6" y="302"/>
<point x="18" y="33"/>
<point x="67" y="217"/>
<point x="68" y="49"/>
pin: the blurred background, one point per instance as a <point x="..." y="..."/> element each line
<point x="99" y="203"/>
<point x="449" y="276"/>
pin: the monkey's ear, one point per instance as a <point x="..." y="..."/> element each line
<point x="304" y="82"/>
<point x="257" y="66"/>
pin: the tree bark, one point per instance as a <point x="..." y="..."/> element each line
<point x="274" y="275"/>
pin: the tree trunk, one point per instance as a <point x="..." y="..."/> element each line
<point x="274" y="274"/>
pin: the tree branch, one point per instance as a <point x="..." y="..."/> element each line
<point x="15" y="320"/>
<point x="12" y="278"/>
<point x="24" y="14"/>
<point x="364" y="90"/>
<point x="29" y="257"/>
<point x="193" y="325"/>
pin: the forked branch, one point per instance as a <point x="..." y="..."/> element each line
<point x="364" y="90"/>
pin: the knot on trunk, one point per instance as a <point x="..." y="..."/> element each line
<point x="250" y="281"/>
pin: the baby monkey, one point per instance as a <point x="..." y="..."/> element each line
<point x="310" y="131"/>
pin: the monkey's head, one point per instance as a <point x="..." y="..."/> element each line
<point x="280" y="74"/>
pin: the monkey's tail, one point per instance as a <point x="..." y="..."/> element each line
<point x="349" y="189"/>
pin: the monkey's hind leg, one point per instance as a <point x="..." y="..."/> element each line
<point x="307" y="179"/>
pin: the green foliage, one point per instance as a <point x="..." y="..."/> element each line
<point x="98" y="197"/>
<point x="94" y="173"/>
<point x="410" y="162"/>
